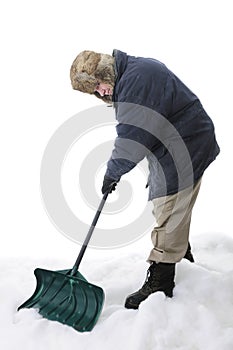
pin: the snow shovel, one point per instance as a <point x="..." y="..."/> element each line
<point x="66" y="296"/>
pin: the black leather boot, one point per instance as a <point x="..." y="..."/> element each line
<point x="188" y="254"/>
<point x="160" y="278"/>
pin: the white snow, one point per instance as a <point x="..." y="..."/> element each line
<point x="199" y="316"/>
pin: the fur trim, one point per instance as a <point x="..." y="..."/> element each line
<point x="90" y="68"/>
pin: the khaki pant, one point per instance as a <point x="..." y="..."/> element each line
<point x="173" y="216"/>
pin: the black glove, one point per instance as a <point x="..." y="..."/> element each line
<point x="107" y="184"/>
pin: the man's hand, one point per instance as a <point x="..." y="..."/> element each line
<point x="107" y="184"/>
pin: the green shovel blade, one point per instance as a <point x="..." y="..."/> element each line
<point x="71" y="300"/>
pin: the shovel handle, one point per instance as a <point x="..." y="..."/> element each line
<point x="89" y="234"/>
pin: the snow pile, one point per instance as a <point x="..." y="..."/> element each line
<point x="200" y="316"/>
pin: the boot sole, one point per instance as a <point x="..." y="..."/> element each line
<point x="131" y="306"/>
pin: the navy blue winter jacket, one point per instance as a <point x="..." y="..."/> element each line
<point x="161" y="119"/>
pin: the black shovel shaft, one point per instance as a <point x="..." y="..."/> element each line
<point x="89" y="234"/>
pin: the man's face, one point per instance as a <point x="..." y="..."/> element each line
<point x="103" y="89"/>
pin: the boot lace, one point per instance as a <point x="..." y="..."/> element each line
<point x="151" y="281"/>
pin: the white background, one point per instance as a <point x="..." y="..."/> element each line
<point x="39" y="41"/>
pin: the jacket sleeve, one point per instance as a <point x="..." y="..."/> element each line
<point x="133" y="141"/>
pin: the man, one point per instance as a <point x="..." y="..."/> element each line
<point x="164" y="121"/>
